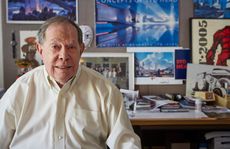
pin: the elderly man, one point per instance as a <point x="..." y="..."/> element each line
<point x="63" y="105"/>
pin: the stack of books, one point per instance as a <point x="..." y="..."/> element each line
<point x="189" y="103"/>
<point x="172" y="107"/>
<point x="165" y="105"/>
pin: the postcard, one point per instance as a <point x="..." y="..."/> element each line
<point x="154" y="66"/>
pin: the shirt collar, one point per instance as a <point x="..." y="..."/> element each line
<point x="53" y="84"/>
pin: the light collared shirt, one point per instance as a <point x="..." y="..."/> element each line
<point x="86" y="113"/>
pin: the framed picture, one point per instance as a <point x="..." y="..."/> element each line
<point x="34" y="11"/>
<point x="27" y="45"/>
<point x="117" y="67"/>
<point x="137" y="23"/>
<point x="211" y="8"/>
<point x="210" y="41"/>
<point x="154" y="66"/>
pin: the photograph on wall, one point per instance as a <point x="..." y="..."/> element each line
<point x="182" y="58"/>
<point x="135" y="23"/>
<point x="211" y="78"/>
<point x="210" y="41"/>
<point x="156" y="66"/>
<point x="37" y="11"/>
<point x="211" y="8"/>
<point x="116" y="67"/>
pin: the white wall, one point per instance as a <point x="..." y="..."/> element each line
<point x="1" y="50"/>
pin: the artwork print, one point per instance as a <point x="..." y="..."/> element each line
<point x="116" y="67"/>
<point x="210" y="41"/>
<point x="137" y="23"/>
<point x="155" y="67"/>
<point x="211" y="8"/>
<point x="207" y="78"/>
<point x="29" y="56"/>
<point x="27" y="44"/>
<point x="37" y="11"/>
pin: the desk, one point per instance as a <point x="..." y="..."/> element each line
<point x="158" y="131"/>
<point x="178" y="118"/>
<point x="181" y="122"/>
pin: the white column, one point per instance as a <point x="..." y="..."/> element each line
<point x="1" y="50"/>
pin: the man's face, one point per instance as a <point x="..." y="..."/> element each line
<point x="61" y="52"/>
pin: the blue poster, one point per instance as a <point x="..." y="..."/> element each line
<point x="182" y="58"/>
<point x="37" y="11"/>
<point x="212" y="8"/>
<point x="137" y="23"/>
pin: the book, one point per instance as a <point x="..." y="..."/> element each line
<point x="182" y="58"/>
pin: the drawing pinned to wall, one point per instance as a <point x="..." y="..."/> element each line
<point x="137" y="23"/>
<point x="154" y="66"/>
<point x="28" y="40"/>
<point x="211" y="8"/>
<point x="210" y="41"/>
<point x="37" y="11"/>
<point x="29" y="57"/>
<point x="116" y="67"/>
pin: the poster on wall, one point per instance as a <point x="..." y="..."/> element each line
<point x="116" y="67"/>
<point x="210" y="78"/>
<point x="133" y="23"/>
<point x="27" y="46"/>
<point x="211" y="8"/>
<point x="210" y="41"/>
<point x="37" y="11"/>
<point x="154" y="67"/>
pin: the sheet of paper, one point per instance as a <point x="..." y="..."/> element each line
<point x="158" y="100"/>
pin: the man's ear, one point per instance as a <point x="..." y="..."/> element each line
<point x="82" y="48"/>
<point x="39" y="49"/>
